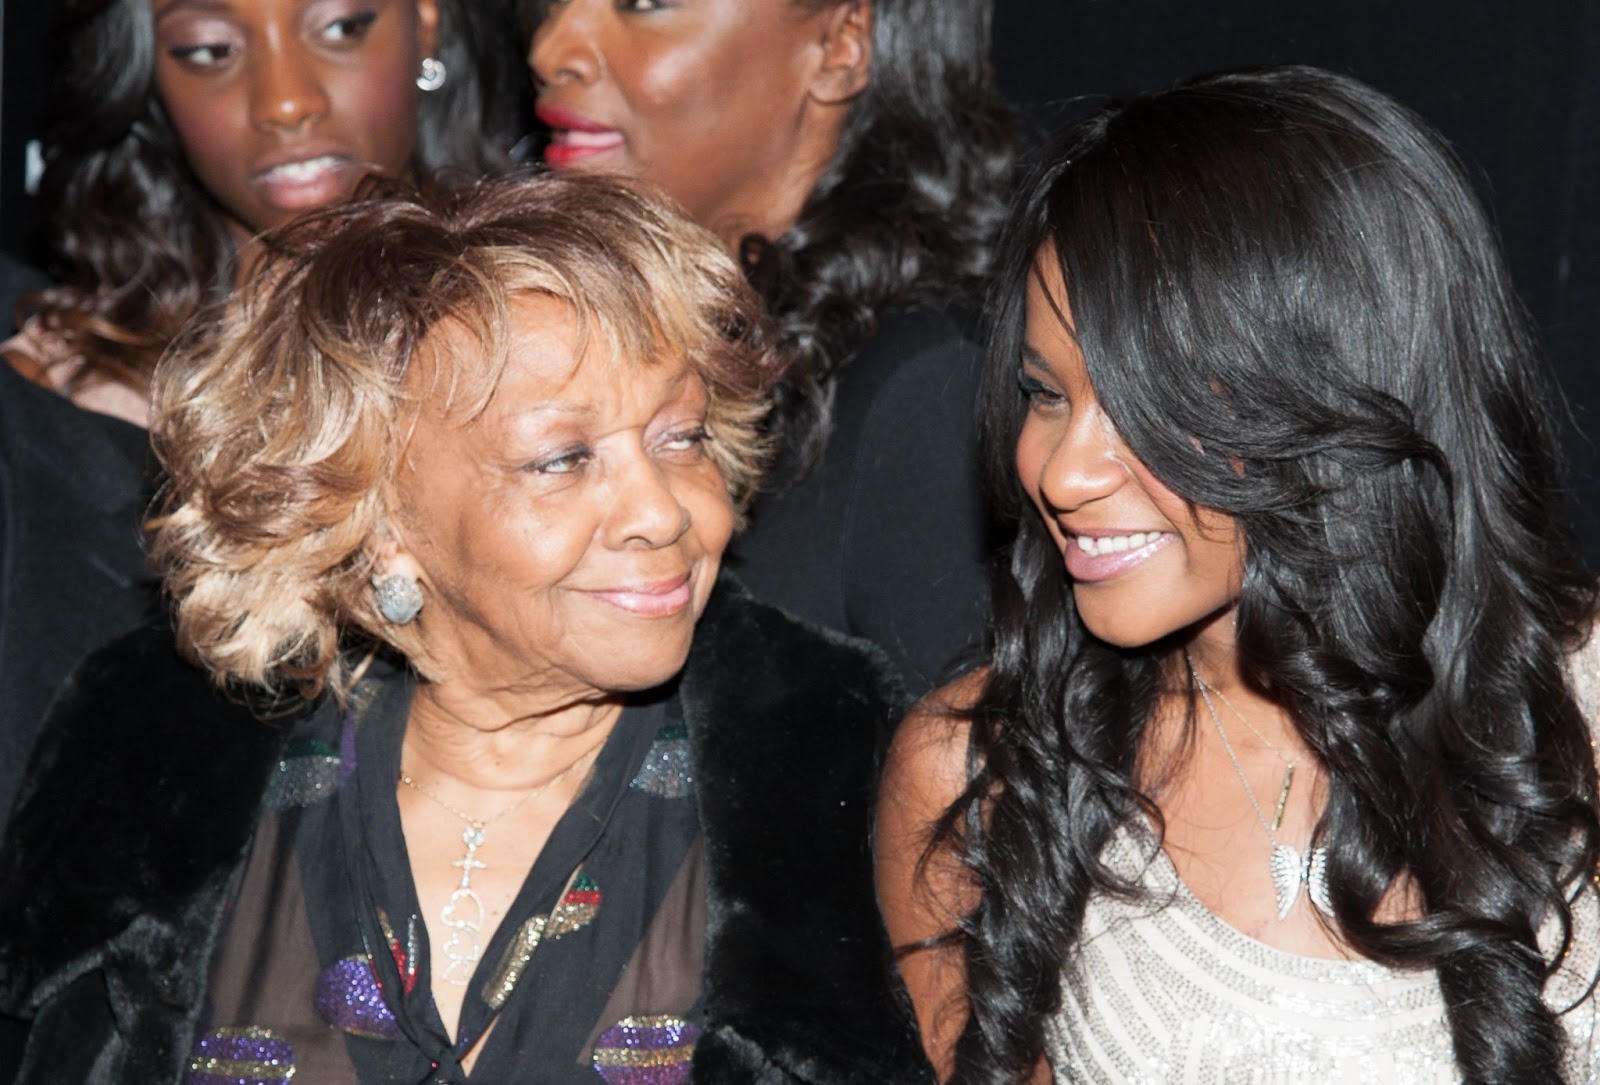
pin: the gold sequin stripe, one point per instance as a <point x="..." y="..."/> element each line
<point x="244" y="1069"/>
<point x="635" y="1057"/>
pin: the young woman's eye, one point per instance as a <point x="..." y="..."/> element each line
<point x="562" y="463"/>
<point x="1038" y="394"/>
<point x="686" y="440"/>
<point x="350" y="29"/>
<point x="639" y="5"/>
<point x="209" y="54"/>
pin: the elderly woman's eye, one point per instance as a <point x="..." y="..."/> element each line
<point x="563" y="463"/>
<point x="686" y="440"/>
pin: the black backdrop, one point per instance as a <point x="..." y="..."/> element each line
<point x="1515" y="86"/>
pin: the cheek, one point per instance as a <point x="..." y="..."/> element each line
<point x="1033" y="453"/>
<point x="210" y="129"/>
<point x="381" y="107"/>
<point x="710" y="511"/>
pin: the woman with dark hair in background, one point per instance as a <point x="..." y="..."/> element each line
<point x="179" y="130"/>
<point x="1282" y="766"/>
<point x="857" y="157"/>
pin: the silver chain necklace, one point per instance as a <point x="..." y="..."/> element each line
<point x="1291" y="869"/>
<point x="463" y="913"/>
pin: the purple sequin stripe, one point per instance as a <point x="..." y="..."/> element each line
<point x="348" y="997"/>
<point x="646" y="1051"/>
<point x="221" y="1058"/>
<point x="347" y="748"/>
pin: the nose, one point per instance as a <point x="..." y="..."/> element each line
<point x="1084" y="461"/>
<point x="565" y="48"/>
<point x="645" y="509"/>
<point x="286" y="90"/>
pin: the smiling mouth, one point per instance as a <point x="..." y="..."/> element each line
<point x="1115" y="544"/>
<point x="1092" y="558"/>
<point x="658" y="599"/>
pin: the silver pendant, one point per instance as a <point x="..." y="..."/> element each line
<point x="1291" y="870"/>
<point x="463" y="915"/>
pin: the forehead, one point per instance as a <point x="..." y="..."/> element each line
<point x="1051" y="334"/>
<point x="546" y="352"/>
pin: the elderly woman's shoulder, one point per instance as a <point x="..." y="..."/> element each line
<point x="766" y="657"/>
<point x="173" y="770"/>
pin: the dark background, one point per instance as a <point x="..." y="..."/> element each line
<point x="1515" y="87"/>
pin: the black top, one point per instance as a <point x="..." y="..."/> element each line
<point x="117" y="869"/>
<point x="886" y="537"/>
<point x="325" y="967"/>
<point x="73" y="490"/>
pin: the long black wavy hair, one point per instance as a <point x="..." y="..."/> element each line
<point x="1294" y="310"/>
<point x="135" y="241"/>
<point x="907" y="211"/>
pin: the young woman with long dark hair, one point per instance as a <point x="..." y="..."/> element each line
<point x="178" y="131"/>
<point x="1282" y="766"/>
<point x="857" y="156"/>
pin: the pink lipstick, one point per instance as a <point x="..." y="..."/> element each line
<point x="1101" y="556"/>
<point x="655" y="599"/>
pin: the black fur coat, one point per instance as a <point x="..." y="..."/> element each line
<point x="143" y="794"/>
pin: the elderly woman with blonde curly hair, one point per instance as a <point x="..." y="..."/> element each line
<point x="472" y="768"/>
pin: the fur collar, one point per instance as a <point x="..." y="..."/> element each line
<point x="145" y="787"/>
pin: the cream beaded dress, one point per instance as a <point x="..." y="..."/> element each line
<point x="1163" y="992"/>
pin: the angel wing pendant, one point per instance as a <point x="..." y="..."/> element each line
<point x="1291" y="870"/>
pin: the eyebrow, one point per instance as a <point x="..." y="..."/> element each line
<point x="208" y="7"/>
<point x="1032" y="359"/>
<point x="561" y="406"/>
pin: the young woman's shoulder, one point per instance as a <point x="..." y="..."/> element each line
<point x="928" y="763"/>
<point x="924" y="888"/>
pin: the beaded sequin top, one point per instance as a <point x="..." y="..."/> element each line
<point x="1162" y="992"/>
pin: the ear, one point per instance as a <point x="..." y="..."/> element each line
<point x="428" y="27"/>
<point x="390" y="555"/>
<point x="846" y="53"/>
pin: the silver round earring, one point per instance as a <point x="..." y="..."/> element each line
<point x="432" y="75"/>
<point x="399" y="597"/>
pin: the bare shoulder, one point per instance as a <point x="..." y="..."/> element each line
<point x="923" y="889"/>
<point x="928" y="760"/>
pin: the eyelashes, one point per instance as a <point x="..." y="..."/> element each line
<point x="680" y="444"/>
<point x="1037" y="393"/>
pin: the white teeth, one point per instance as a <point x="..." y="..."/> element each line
<point x="1114" y="544"/>
<point x="299" y="173"/>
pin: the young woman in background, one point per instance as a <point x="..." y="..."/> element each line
<point x="181" y="130"/>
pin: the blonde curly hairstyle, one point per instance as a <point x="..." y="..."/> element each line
<point x="281" y="425"/>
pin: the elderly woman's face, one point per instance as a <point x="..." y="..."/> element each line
<point x="569" y="536"/>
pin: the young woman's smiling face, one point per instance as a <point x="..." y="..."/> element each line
<point x="284" y="105"/>
<point x="1143" y="564"/>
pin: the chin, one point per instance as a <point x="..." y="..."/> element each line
<point x="630" y="669"/>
